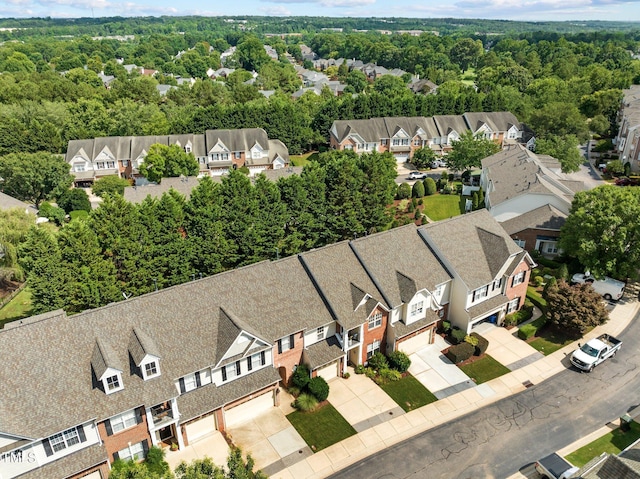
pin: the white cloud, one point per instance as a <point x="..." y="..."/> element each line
<point x="275" y="11"/>
<point x="328" y="3"/>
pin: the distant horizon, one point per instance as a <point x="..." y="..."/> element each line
<point x="507" y="10"/>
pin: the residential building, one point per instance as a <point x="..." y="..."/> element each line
<point x="627" y="142"/>
<point x="403" y="135"/>
<point x="9" y="203"/>
<point x="530" y="195"/>
<point x="171" y="366"/>
<point x="216" y="151"/>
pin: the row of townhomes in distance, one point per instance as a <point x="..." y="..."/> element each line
<point x="627" y="143"/>
<point x="173" y="365"/>
<point x="402" y="136"/>
<point x="216" y="151"/>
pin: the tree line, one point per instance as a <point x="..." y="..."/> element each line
<point x="123" y="249"/>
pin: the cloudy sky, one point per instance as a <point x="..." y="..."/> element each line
<point x="491" y="9"/>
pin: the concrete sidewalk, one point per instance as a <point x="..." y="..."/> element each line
<point x="381" y="436"/>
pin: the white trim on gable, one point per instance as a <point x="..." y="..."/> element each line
<point x="219" y="147"/>
<point x="401" y="134"/>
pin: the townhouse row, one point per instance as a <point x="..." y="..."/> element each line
<point x="170" y="367"/>
<point x="216" y="151"/>
<point x="402" y="136"/>
<point x="627" y="142"/>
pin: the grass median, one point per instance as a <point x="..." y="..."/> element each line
<point x="321" y="428"/>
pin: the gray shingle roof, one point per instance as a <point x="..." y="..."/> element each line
<point x="238" y="140"/>
<point x="401" y="329"/>
<point x="323" y="352"/>
<point x="140" y="345"/>
<point x="400" y="263"/>
<point x="486" y="306"/>
<point x="9" y="202"/>
<point x="448" y="123"/>
<point x="373" y="129"/>
<point x="474" y="244"/>
<point x="545" y="217"/>
<point x="184" y="186"/>
<point x="496" y="120"/>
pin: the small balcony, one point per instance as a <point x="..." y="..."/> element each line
<point x="162" y="414"/>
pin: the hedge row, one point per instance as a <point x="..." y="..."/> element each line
<point x="483" y="344"/>
<point x="460" y="352"/>
<point x="529" y="330"/>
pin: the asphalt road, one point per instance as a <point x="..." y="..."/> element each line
<point x="498" y="440"/>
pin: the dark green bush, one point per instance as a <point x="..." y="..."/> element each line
<point x="418" y="189"/>
<point x="411" y="208"/>
<point x="430" y="186"/>
<point x="319" y="388"/>
<point x="457" y="335"/>
<point x="387" y="375"/>
<point x="404" y="191"/>
<point x="300" y="377"/>
<point x="527" y="331"/>
<point x="483" y="344"/>
<point x="445" y="326"/>
<point x="359" y="369"/>
<point x="460" y="352"/>
<point x="399" y="361"/>
<point x="378" y="361"/>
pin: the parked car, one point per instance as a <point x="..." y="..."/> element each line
<point x="609" y="288"/>
<point x="438" y="164"/>
<point x="416" y="175"/>
<point x="595" y="351"/>
<point x="554" y="466"/>
<point x="624" y="181"/>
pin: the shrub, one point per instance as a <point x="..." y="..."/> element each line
<point x="411" y="208"/>
<point x="615" y="167"/>
<point x="510" y="320"/>
<point x="482" y="344"/>
<point x="460" y="352"/>
<point x="74" y="199"/>
<point x="551" y="283"/>
<point x="378" y="361"/>
<point x="294" y="391"/>
<point x="418" y="189"/>
<point x="457" y="335"/>
<point x="538" y="280"/>
<point x="420" y="201"/>
<point x="446" y="326"/>
<point x="527" y="331"/>
<point x="472" y="340"/>
<point x="155" y="462"/>
<point x="386" y="375"/>
<point x="430" y="187"/>
<point x="346" y="375"/>
<point x="370" y="373"/>
<point x="359" y="369"/>
<point x="300" y="377"/>
<point x="404" y="191"/>
<point x="306" y="402"/>
<point x="319" y="388"/>
<point x="399" y="361"/>
<point x="53" y="213"/>
<point x="418" y="215"/>
<point x="79" y="214"/>
<point x="562" y="271"/>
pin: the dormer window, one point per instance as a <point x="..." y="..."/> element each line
<point x="113" y="383"/>
<point x="151" y="370"/>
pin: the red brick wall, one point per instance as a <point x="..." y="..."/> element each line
<point x="290" y="358"/>
<point x="120" y="440"/>
<point x="529" y="236"/>
<point x="378" y="333"/>
<point x="521" y="289"/>
<point x="103" y="468"/>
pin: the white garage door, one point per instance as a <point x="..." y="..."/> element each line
<point x="93" y="475"/>
<point x="402" y="158"/>
<point x="416" y="343"/>
<point x="248" y="410"/>
<point x="200" y="428"/>
<point x="328" y="372"/>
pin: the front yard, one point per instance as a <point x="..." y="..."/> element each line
<point x="409" y="393"/>
<point x="613" y="443"/>
<point x="484" y="369"/>
<point x="548" y="340"/>
<point x="19" y="307"/>
<point x="440" y="207"/>
<point x="321" y="428"/>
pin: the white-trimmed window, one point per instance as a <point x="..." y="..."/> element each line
<point x="100" y="165"/>
<point x="513" y="305"/>
<point x="518" y="278"/>
<point x="134" y="451"/>
<point x="286" y="343"/>
<point x="396" y="142"/>
<point x="64" y="439"/>
<point x="551" y="248"/>
<point x="416" y="142"/>
<point x="438" y="290"/>
<point x="320" y="333"/>
<point x="190" y="382"/>
<point x="111" y="164"/>
<point x="384" y="141"/>
<point x="231" y="371"/>
<point x="125" y="163"/>
<point x="497" y="284"/>
<point x="187" y="149"/>
<point x="78" y="167"/>
<point x="520" y="242"/>
<point x="480" y="293"/>
<point x="417" y="308"/>
<point x="237" y="155"/>
<point x="113" y="383"/>
<point x="373" y="348"/>
<point x="123" y="421"/>
<point x="258" y="359"/>
<point x="375" y="320"/>
<point x="150" y="369"/>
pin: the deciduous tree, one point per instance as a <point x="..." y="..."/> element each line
<point x="168" y="161"/>
<point x="469" y="151"/>
<point x="575" y="309"/>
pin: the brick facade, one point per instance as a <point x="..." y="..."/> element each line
<point x="530" y="235"/>
<point x="376" y="333"/>
<point x="285" y="361"/>
<point x="119" y="440"/>
<point x="520" y="290"/>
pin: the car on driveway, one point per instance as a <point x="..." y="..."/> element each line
<point x="438" y="164"/>
<point x="416" y="175"/>
<point x="626" y="182"/>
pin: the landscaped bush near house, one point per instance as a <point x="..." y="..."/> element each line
<point x="537" y="299"/>
<point x="301" y="376"/>
<point x="460" y="352"/>
<point x="473" y="341"/>
<point x="306" y="402"/>
<point x="521" y="316"/>
<point x="378" y="361"/>
<point x="319" y="388"/>
<point x="562" y="271"/>
<point x="529" y="330"/>
<point x="411" y="208"/>
<point x="457" y="335"/>
<point x="399" y="361"/>
<point x="418" y="189"/>
<point x="482" y="344"/>
<point x="404" y="191"/>
<point x="445" y="326"/>
<point x="359" y="369"/>
<point x="386" y="375"/>
<point x="538" y="280"/>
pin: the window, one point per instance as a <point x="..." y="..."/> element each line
<point x="135" y="452"/>
<point x="187" y="149"/>
<point x="480" y="293"/>
<point x="551" y="248"/>
<point x="320" y="333"/>
<point x="100" y="165"/>
<point x="237" y="155"/>
<point x="373" y="348"/>
<point x="65" y="439"/>
<point x="518" y="278"/>
<point x="496" y="284"/>
<point x="520" y="242"/>
<point x="111" y="164"/>
<point x="123" y="421"/>
<point x="286" y="344"/>
<point x="78" y="167"/>
<point x="438" y="291"/>
<point x="231" y="371"/>
<point x="113" y="383"/>
<point x="513" y="305"/>
<point x="375" y="320"/>
<point x="405" y="141"/>
<point x="151" y="369"/>
<point x="383" y="142"/>
<point x="396" y="142"/>
<point x="190" y="382"/>
<point x="416" y="308"/>
<point x="416" y="142"/>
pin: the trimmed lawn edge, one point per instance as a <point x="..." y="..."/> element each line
<point x="408" y="393"/>
<point x="321" y="428"/>
<point x="484" y="369"/>
<point x="613" y="442"/>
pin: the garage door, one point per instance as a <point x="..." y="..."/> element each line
<point x="328" y="372"/>
<point x="416" y="343"/>
<point x="200" y="428"/>
<point x="249" y="410"/>
<point x="402" y="158"/>
<point x="93" y="475"/>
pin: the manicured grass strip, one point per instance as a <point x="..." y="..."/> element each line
<point x="301" y="160"/>
<point x="548" y="340"/>
<point x="484" y="369"/>
<point x="440" y="207"/>
<point x="322" y="427"/>
<point x="409" y="393"/>
<point x="19" y="307"/>
<point x="612" y="442"/>
<point x="536" y="298"/>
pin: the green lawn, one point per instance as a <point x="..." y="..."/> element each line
<point x="484" y="369"/>
<point x="19" y="307"/>
<point x="440" y="207"/>
<point x="548" y="340"/>
<point x="322" y="427"/>
<point x="612" y="442"/>
<point x="409" y="393"/>
<point x="301" y="160"/>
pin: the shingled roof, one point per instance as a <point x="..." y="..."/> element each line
<point x="546" y="217"/>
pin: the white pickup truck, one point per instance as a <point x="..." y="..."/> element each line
<point x="554" y="466"/>
<point x="609" y="288"/>
<point x="595" y="351"/>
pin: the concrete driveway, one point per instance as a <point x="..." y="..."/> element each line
<point x="212" y="445"/>
<point x="362" y="402"/>
<point x="506" y="348"/>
